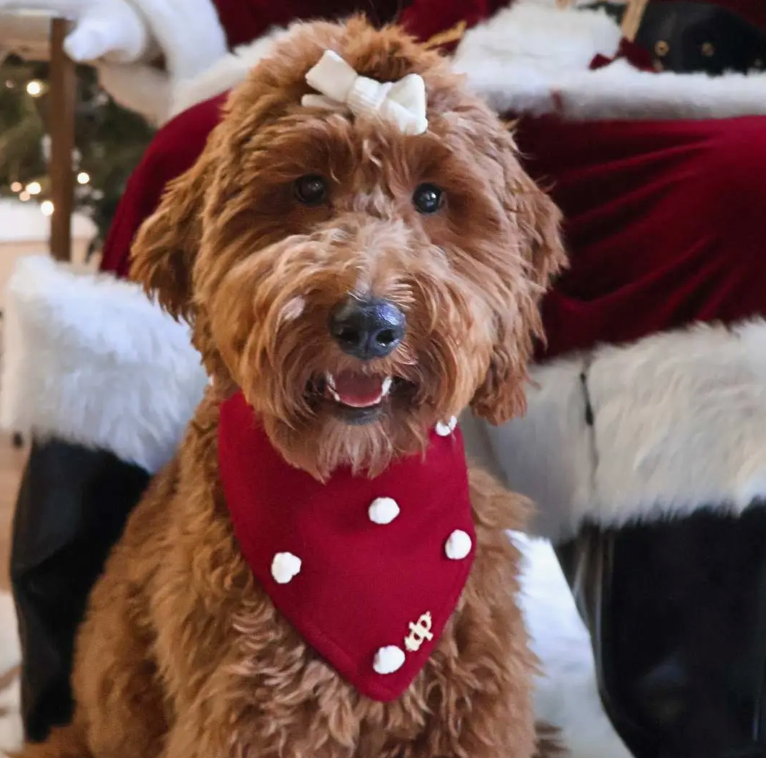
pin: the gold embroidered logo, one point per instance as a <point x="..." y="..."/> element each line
<point x="420" y="631"/>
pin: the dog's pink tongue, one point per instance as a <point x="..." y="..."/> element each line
<point x="358" y="390"/>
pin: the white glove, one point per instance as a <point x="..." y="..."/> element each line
<point x="112" y="30"/>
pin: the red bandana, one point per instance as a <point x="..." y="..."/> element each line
<point x="367" y="570"/>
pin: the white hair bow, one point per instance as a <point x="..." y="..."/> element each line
<point x="402" y="102"/>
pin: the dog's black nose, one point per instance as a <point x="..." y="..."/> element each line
<point x="367" y="329"/>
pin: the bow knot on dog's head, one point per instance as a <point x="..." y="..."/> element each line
<point x="402" y="103"/>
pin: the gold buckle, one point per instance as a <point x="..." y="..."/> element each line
<point x="455" y="34"/>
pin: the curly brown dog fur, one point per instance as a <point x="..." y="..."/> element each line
<point x="182" y="653"/>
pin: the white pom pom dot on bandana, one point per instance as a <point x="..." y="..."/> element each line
<point x="383" y="510"/>
<point x="445" y="428"/>
<point x="458" y="545"/>
<point x="388" y="660"/>
<point x="285" y="567"/>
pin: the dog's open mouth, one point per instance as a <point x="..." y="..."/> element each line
<point x="356" y="390"/>
<point x="357" y="397"/>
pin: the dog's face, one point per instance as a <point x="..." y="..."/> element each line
<point x="357" y="284"/>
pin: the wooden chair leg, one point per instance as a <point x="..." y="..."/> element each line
<point x="632" y="18"/>
<point x="63" y="84"/>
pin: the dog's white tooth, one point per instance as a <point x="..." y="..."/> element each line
<point x="335" y="395"/>
<point x="386" y="387"/>
<point x="330" y="379"/>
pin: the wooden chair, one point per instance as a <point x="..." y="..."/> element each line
<point x="63" y="92"/>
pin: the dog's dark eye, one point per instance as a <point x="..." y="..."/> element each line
<point x="311" y="190"/>
<point x="428" y="198"/>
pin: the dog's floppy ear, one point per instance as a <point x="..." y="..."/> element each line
<point x="163" y="253"/>
<point x="537" y="221"/>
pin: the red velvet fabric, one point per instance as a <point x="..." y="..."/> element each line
<point x="629" y="51"/>
<point x="173" y="151"/>
<point x="246" y="20"/>
<point x="664" y="224"/>
<point x="361" y="584"/>
<point x="663" y="219"/>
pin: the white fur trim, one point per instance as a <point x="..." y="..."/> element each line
<point x="566" y="693"/>
<point x="225" y="74"/>
<point x="679" y="423"/>
<point x="532" y="58"/>
<point x="137" y="87"/>
<point x="188" y="32"/>
<point x="191" y="38"/>
<point x="91" y="360"/>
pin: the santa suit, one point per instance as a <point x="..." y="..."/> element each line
<point x="644" y="444"/>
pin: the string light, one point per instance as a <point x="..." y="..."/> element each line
<point x="47" y="208"/>
<point x="83" y="177"/>
<point x="24" y="196"/>
<point x="34" y="188"/>
<point x="17" y="187"/>
<point x="35" y="88"/>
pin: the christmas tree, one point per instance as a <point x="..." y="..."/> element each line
<point x="109" y="142"/>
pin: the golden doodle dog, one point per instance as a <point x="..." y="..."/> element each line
<point x="317" y="574"/>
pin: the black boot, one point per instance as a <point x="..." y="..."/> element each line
<point x="677" y="614"/>
<point x="71" y="509"/>
<point x="646" y="462"/>
<point x="119" y="380"/>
